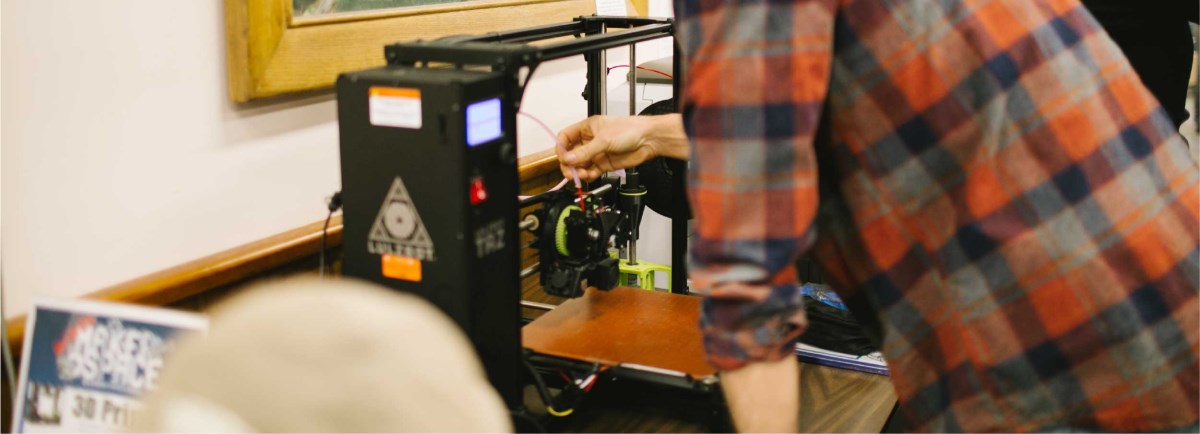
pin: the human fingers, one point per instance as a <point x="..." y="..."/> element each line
<point x="576" y="134"/>
<point x="590" y="174"/>
<point x="570" y="171"/>
<point x="588" y="151"/>
<point x="622" y="160"/>
<point x="586" y="174"/>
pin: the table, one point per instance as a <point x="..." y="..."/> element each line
<point x="659" y="330"/>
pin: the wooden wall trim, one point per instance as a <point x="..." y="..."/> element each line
<point x="194" y="277"/>
<point x="537" y="164"/>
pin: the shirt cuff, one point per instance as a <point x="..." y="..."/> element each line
<point x="744" y="323"/>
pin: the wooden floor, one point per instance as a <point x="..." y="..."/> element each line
<point x="837" y="400"/>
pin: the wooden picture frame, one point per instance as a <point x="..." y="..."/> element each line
<point x="269" y="52"/>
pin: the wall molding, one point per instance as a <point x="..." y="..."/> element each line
<point x="246" y="261"/>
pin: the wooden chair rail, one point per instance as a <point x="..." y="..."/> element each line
<point x="243" y="262"/>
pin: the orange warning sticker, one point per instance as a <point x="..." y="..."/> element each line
<point x="398" y="92"/>
<point x="402" y="268"/>
<point x="398" y="107"/>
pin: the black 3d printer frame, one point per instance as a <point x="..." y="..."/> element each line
<point x="478" y="288"/>
<point x="510" y="54"/>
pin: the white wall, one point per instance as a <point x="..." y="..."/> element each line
<point x="123" y="155"/>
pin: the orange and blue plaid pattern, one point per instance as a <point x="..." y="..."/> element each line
<point x="990" y="176"/>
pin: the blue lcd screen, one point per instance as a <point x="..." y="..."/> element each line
<point x="483" y="122"/>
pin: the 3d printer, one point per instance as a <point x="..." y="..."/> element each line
<point x="429" y="178"/>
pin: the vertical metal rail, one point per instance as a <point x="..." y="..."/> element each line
<point x="633" y="79"/>
<point x="603" y="85"/>
<point x="635" y="230"/>
<point x="679" y="224"/>
<point x="597" y="69"/>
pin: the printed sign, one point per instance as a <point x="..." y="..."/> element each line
<point x="398" y="229"/>
<point x="85" y="363"/>
<point x="400" y="267"/>
<point x="394" y="107"/>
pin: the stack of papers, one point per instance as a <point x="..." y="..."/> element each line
<point x="871" y="363"/>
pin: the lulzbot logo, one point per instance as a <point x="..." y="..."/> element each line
<point x="398" y="229"/>
<point x="109" y="354"/>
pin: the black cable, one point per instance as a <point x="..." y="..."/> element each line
<point x="528" y="419"/>
<point x="541" y="386"/>
<point x="570" y="392"/>
<point x="334" y="204"/>
<point x="324" y="231"/>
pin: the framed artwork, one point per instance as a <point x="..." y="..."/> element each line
<point x="275" y="47"/>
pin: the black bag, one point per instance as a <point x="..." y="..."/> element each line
<point x="831" y="325"/>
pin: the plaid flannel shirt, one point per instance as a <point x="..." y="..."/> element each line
<point x="992" y="179"/>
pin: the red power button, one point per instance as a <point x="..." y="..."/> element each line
<point x="478" y="192"/>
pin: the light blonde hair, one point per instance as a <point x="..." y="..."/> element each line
<point x="303" y="355"/>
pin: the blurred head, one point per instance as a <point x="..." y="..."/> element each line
<point x="303" y="355"/>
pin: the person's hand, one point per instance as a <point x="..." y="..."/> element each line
<point x="601" y="144"/>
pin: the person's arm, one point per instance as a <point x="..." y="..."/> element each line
<point x="756" y="79"/>
<point x="600" y="144"/>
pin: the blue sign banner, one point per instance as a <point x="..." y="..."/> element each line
<point x="86" y="363"/>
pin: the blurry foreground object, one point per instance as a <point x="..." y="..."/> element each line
<point x="303" y="355"/>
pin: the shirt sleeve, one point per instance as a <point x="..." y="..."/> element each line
<point x="756" y="77"/>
